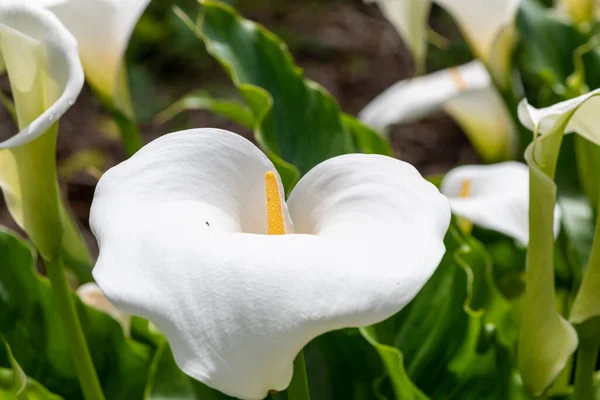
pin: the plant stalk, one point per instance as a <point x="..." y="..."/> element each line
<point x="82" y="359"/>
<point x="130" y="135"/>
<point x="585" y="368"/>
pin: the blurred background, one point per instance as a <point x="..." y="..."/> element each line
<point x="345" y="45"/>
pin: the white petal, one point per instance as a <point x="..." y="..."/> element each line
<point x="585" y="119"/>
<point x="43" y="68"/>
<point x="102" y="29"/>
<point x="415" y="98"/>
<point x="498" y="198"/>
<point x="482" y="21"/>
<point x="409" y="17"/>
<point x="237" y="307"/>
<point x="487" y="123"/>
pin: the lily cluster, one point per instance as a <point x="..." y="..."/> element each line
<point x="197" y="235"/>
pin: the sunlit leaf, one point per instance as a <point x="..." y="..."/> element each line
<point x="296" y="122"/>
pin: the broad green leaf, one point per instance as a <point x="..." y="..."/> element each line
<point x="546" y="340"/>
<point x="394" y="363"/>
<point x="365" y="138"/>
<point x="31" y="325"/>
<point x="202" y="100"/>
<point x="457" y="336"/>
<point x="342" y="365"/>
<point x="296" y="122"/>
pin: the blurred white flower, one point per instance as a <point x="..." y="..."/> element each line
<point x="464" y="92"/>
<point x="494" y="197"/>
<point x="102" y="29"/>
<point x="182" y="229"/>
<point x="45" y="76"/>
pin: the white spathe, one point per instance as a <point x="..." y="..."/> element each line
<point x="414" y="98"/>
<point x="580" y="114"/>
<point x="498" y="197"/>
<point x="482" y="22"/>
<point x="182" y="228"/>
<point x="40" y="55"/>
<point x="465" y="92"/>
<point x="102" y="29"/>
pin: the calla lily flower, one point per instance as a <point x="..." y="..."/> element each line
<point x="488" y="27"/>
<point x="102" y="29"/>
<point x="494" y="197"/>
<point x="45" y="75"/>
<point x="92" y="296"/>
<point x="465" y="92"/>
<point x="183" y="229"/>
<point x="580" y="114"/>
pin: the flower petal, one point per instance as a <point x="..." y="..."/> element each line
<point x="414" y="98"/>
<point x="43" y="68"/>
<point x="498" y="198"/>
<point x="102" y="29"/>
<point x="486" y="121"/>
<point x="482" y="21"/>
<point x="580" y="113"/>
<point x="409" y="17"/>
<point x="237" y="307"/>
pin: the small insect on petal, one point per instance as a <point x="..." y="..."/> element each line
<point x="275" y="220"/>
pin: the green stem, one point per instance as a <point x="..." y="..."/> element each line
<point x="585" y="368"/>
<point x="298" y="389"/>
<point x="132" y="141"/>
<point x="79" y="350"/>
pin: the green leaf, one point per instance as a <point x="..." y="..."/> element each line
<point x="394" y="362"/>
<point x="546" y="340"/>
<point x="297" y="123"/>
<point x="31" y="325"/>
<point x="202" y="100"/>
<point x="457" y="336"/>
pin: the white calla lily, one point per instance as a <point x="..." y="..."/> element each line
<point x="182" y="229"/>
<point x="483" y="23"/>
<point x="465" y="92"/>
<point x="494" y="197"/>
<point x="580" y="114"/>
<point x="102" y="29"/>
<point x="46" y="77"/>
